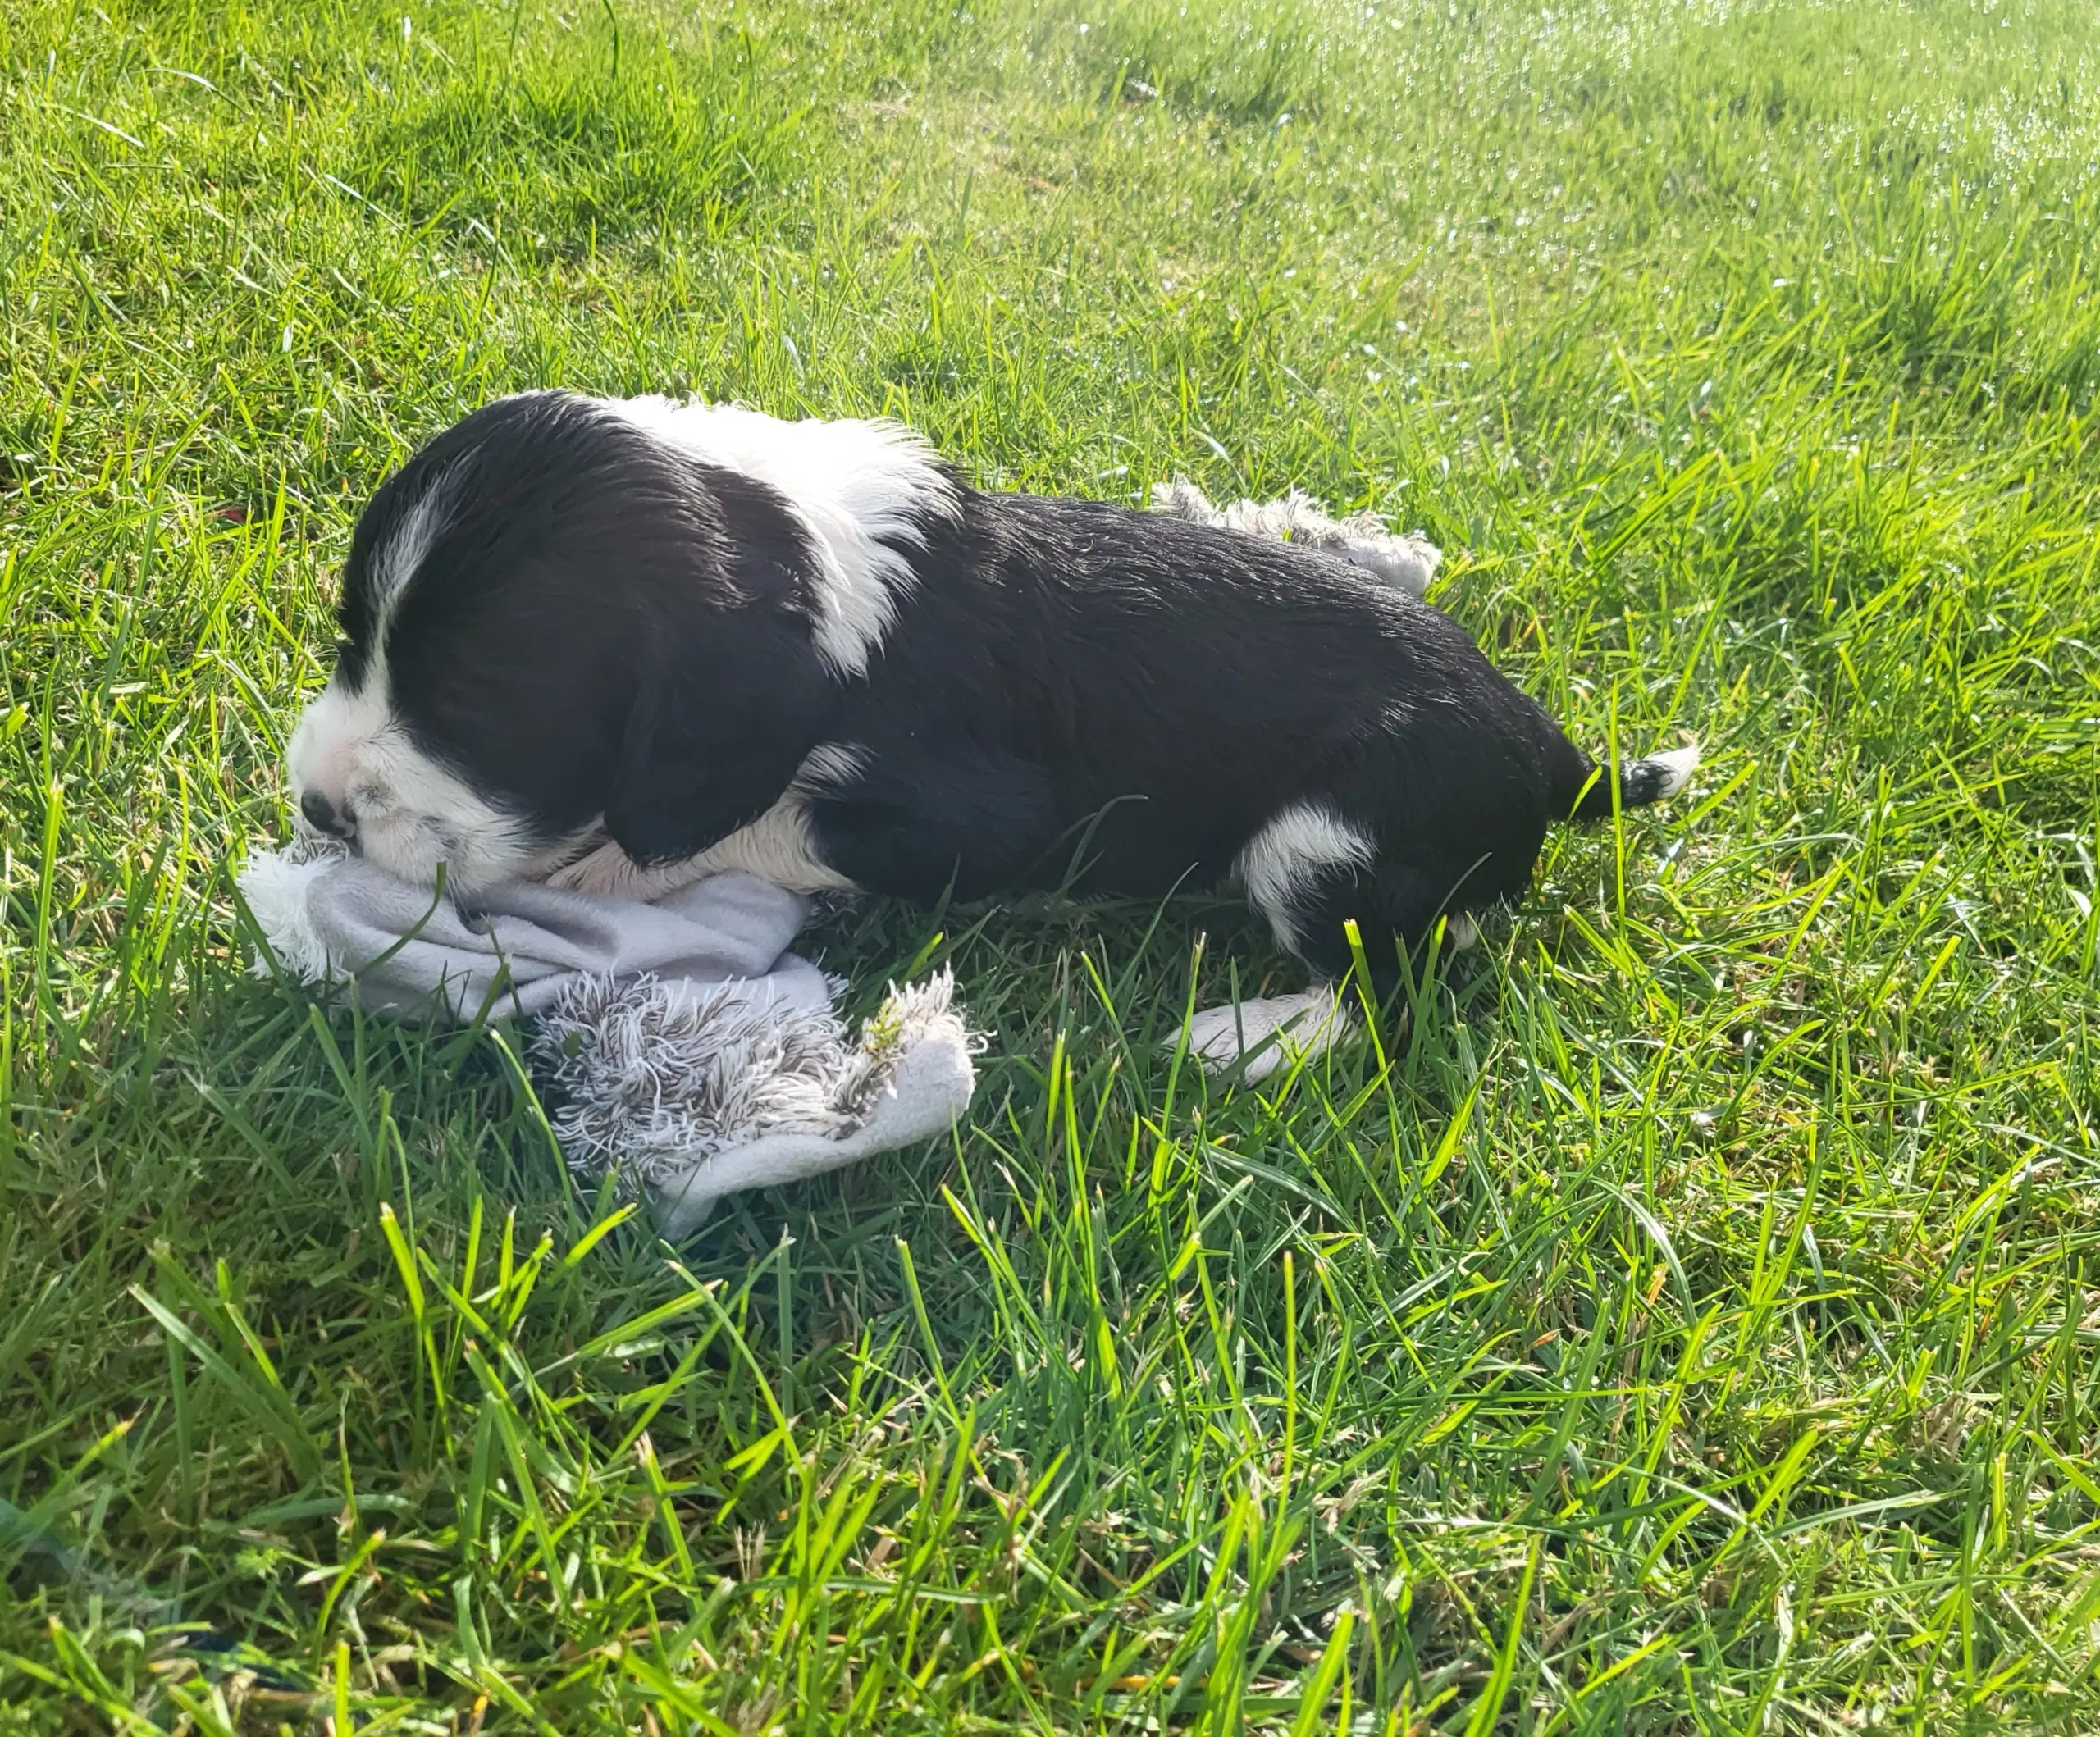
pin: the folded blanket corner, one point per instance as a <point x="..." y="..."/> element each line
<point x="686" y="1051"/>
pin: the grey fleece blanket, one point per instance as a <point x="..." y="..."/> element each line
<point x="690" y="1051"/>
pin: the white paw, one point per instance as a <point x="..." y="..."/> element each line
<point x="1290" y="1026"/>
<point x="606" y="869"/>
<point x="608" y="873"/>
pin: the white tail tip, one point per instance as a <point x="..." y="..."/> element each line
<point x="1676" y="767"/>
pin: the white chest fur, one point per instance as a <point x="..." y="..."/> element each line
<point x="778" y="847"/>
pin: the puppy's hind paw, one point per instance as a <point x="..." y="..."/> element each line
<point x="1267" y="1034"/>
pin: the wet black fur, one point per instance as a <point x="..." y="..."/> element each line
<point x="1077" y="695"/>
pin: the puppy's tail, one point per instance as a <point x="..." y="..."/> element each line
<point x="1655" y="779"/>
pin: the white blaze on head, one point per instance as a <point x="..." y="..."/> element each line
<point x="403" y="810"/>
<point x="396" y="563"/>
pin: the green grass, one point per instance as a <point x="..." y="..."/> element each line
<point x="1691" y="1330"/>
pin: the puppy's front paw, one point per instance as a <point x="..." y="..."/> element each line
<point x="604" y="869"/>
<point x="1268" y="1032"/>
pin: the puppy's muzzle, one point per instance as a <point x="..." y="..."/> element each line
<point x="325" y="818"/>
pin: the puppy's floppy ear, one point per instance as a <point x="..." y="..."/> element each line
<point x="724" y="719"/>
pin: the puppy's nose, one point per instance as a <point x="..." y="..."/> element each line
<point x="321" y="816"/>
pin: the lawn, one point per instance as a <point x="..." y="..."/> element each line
<point x="1688" y="1326"/>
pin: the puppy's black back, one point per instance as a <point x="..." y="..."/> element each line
<point x="1147" y="693"/>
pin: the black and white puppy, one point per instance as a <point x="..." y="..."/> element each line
<point x="619" y="645"/>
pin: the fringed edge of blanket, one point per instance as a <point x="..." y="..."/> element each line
<point x="654" y="1081"/>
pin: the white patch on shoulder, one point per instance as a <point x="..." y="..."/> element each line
<point x="411" y="815"/>
<point x="1292" y="1027"/>
<point x="858" y="487"/>
<point x="778" y="847"/>
<point x="1286" y="859"/>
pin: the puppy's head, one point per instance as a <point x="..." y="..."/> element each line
<point x="554" y="623"/>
